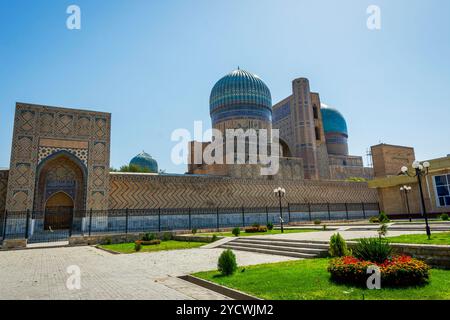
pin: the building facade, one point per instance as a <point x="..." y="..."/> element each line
<point x="58" y="152"/>
<point x="387" y="162"/>
<point x="313" y="140"/>
<point x="59" y="173"/>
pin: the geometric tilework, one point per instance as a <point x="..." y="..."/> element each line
<point x="139" y="191"/>
<point x="81" y="154"/>
<point x="70" y="126"/>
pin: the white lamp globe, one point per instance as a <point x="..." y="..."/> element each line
<point x="426" y="164"/>
<point x="420" y="167"/>
<point x="404" y="169"/>
<point x="415" y="164"/>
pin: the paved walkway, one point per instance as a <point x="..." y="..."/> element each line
<point x="346" y="234"/>
<point x="42" y="273"/>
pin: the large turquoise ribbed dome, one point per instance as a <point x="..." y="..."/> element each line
<point x="146" y="161"/>
<point x="333" y="121"/>
<point x="238" y="95"/>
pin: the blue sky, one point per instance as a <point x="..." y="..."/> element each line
<point x="152" y="64"/>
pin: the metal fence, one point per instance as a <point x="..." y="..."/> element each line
<point x="45" y="227"/>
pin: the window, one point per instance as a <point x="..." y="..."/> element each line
<point x="315" y="112"/>
<point x="442" y="184"/>
<point x="317" y="130"/>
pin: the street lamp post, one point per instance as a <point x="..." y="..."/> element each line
<point x="406" y="189"/>
<point x="421" y="171"/>
<point x="280" y="192"/>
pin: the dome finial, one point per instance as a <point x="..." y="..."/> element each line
<point x="238" y="68"/>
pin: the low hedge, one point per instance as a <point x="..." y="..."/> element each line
<point x="255" y="229"/>
<point x="396" y="271"/>
<point x="148" y="243"/>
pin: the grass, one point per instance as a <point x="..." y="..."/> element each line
<point x="164" y="245"/>
<point x="309" y="280"/>
<point x="245" y="234"/>
<point x="442" y="238"/>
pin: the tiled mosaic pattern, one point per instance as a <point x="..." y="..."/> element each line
<point x="81" y="154"/>
<point x="34" y="122"/>
<point x="136" y="191"/>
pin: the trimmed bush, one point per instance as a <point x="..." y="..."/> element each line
<point x="270" y="226"/>
<point x="148" y="243"/>
<point x="194" y="231"/>
<point x="338" y="246"/>
<point x="396" y="271"/>
<point x="317" y="222"/>
<point x="149" y="236"/>
<point x="167" y="236"/>
<point x="236" y="231"/>
<point x="372" y="249"/>
<point x="214" y="238"/>
<point x="374" y="220"/>
<point x="255" y="229"/>
<point x="108" y="241"/>
<point x="444" y="217"/>
<point x="227" y="263"/>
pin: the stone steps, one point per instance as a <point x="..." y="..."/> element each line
<point x="281" y="247"/>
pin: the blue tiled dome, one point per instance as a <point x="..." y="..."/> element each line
<point x="240" y="94"/>
<point x="333" y="121"/>
<point x="145" y="160"/>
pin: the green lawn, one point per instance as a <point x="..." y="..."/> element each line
<point x="309" y="280"/>
<point x="436" y="238"/>
<point x="164" y="245"/>
<point x="245" y="234"/>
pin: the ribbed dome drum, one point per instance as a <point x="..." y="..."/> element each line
<point x="335" y="128"/>
<point x="240" y="95"/>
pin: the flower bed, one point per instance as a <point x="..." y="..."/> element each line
<point x="396" y="271"/>
<point x="255" y="229"/>
<point x="148" y="242"/>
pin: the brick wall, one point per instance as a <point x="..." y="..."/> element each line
<point x="388" y="159"/>
<point x="136" y="191"/>
<point x="3" y="188"/>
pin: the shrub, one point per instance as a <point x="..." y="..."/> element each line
<point x="149" y="236"/>
<point x="324" y="227"/>
<point x="227" y="263"/>
<point x="374" y="220"/>
<point x="317" y="222"/>
<point x="383" y="217"/>
<point x="214" y="238"/>
<point x="396" y="271"/>
<point x="137" y="246"/>
<point x="236" y="231"/>
<point x="338" y="246"/>
<point x="255" y="229"/>
<point x="108" y="241"/>
<point x="148" y="242"/>
<point x="167" y="236"/>
<point x="372" y="249"/>
<point x="270" y="226"/>
<point x="444" y="216"/>
<point x="194" y="231"/>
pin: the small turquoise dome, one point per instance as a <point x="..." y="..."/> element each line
<point x="333" y="121"/>
<point x="240" y="94"/>
<point x="146" y="161"/>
